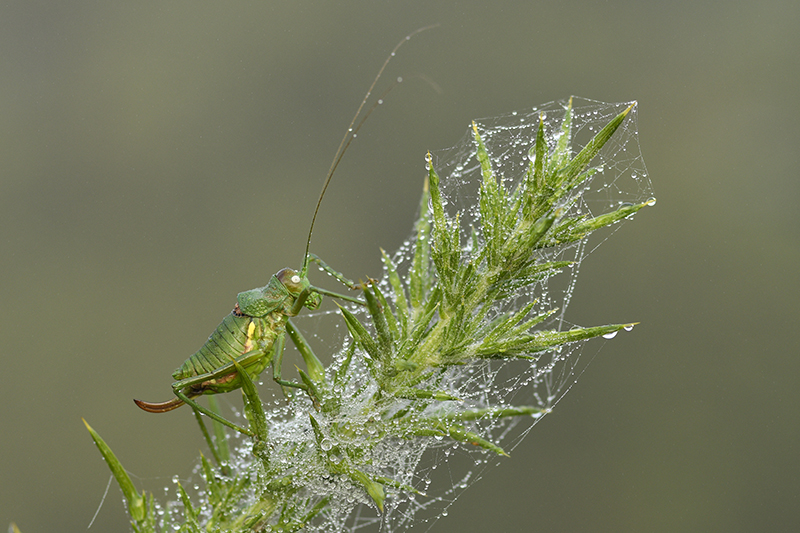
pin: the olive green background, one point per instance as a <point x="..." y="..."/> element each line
<point x="156" y="158"/>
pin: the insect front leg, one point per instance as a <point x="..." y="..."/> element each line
<point x="303" y="296"/>
<point x="336" y="274"/>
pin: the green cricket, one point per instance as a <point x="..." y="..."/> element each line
<point x="254" y="333"/>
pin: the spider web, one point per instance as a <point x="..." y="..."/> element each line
<point x="443" y="468"/>
<point x="619" y="178"/>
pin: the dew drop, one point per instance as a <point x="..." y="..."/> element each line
<point x="610" y="335"/>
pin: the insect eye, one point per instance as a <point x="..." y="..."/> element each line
<point x="295" y="279"/>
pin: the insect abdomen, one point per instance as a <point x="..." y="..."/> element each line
<point x="232" y="338"/>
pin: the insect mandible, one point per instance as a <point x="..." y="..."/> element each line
<point x="254" y="333"/>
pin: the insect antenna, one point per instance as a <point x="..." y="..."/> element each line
<point x="351" y="133"/>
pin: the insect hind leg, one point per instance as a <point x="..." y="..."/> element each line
<point x="188" y="388"/>
<point x="199" y="408"/>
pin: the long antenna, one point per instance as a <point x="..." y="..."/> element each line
<point x="350" y="134"/>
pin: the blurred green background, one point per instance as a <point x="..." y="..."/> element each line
<point x="157" y="158"/>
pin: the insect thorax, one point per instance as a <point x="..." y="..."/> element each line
<point x="259" y="302"/>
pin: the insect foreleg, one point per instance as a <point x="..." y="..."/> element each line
<point x="338" y="275"/>
<point x="303" y="296"/>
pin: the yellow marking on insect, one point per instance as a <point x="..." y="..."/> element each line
<point x="251" y="329"/>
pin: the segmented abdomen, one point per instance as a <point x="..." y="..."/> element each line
<point x="236" y="335"/>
